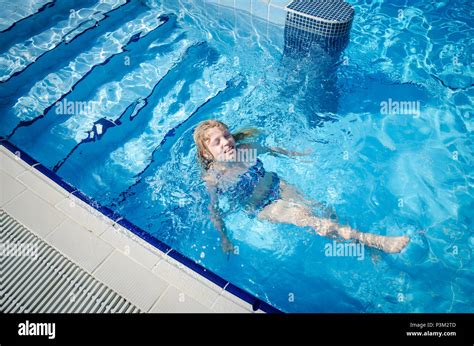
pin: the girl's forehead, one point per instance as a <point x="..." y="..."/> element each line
<point x="215" y="131"/>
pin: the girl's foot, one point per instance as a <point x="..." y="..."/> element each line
<point x="384" y="243"/>
<point x="391" y="244"/>
<point x="395" y="244"/>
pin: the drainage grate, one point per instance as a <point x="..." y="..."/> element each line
<point x="324" y="22"/>
<point x="36" y="278"/>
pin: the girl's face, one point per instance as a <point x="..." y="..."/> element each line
<point x="221" y="144"/>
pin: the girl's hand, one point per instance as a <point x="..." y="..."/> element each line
<point x="227" y="246"/>
<point x="307" y="152"/>
<point x="291" y="153"/>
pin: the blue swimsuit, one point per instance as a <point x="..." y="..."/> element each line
<point x="243" y="189"/>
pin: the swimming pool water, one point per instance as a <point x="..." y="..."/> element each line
<point x="134" y="78"/>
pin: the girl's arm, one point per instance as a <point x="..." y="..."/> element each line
<point x="216" y="219"/>
<point x="261" y="149"/>
<point x="288" y="152"/>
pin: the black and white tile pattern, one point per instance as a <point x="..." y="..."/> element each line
<point x="323" y="22"/>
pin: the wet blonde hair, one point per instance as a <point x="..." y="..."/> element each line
<point x="200" y="137"/>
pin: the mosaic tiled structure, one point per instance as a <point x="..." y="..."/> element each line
<point x="326" y="23"/>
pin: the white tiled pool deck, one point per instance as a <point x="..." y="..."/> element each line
<point x="113" y="255"/>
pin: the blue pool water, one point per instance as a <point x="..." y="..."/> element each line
<point x="146" y="72"/>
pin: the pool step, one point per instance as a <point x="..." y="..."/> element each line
<point x="36" y="278"/>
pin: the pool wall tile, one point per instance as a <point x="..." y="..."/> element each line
<point x="42" y="187"/>
<point x="243" y="305"/>
<point x="131" y="280"/>
<point x="269" y="10"/>
<point x="130" y="247"/>
<point x="13" y="167"/>
<point x="260" y="9"/>
<point x="228" y="3"/>
<point x="205" y="292"/>
<point x="34" y="213"/>
<point x="277" y="15"/>
<point x="84" y="214"/>
<point x="68" y="188"/>
<point x="244" y="5"/>
<point x="225" y="305"/>
<point x="21" y="156"/>
<point x="217" y="280"/>
<point x="144" y="235"/>
<point x="80" y="245"/>
<point x="124" y="232"/>
<point x="254" y="301"/>
<point x="174" y="300"/>
<point x="9" y="188"/>
<point x="280" y="3"/>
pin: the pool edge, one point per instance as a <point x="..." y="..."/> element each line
<point x="227" y="286"/>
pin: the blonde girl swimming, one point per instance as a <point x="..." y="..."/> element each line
<point x="232" y="169"/>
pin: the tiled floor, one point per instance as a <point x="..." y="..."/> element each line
<point x="144" y="275"/>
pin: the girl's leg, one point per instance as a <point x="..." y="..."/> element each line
<point x="291" y="194"/>
<point x="284" y="211"/>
